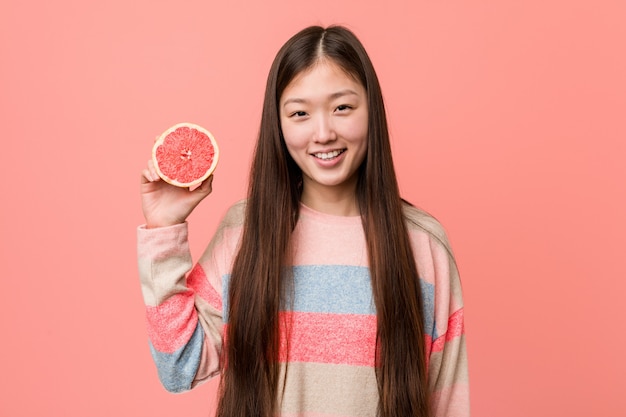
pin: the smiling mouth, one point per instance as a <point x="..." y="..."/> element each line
<point x="327" y="156"/>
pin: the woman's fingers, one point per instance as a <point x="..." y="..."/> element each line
<point x="149" y="173"/>
<point x="153" y="171"/>
<point x="204" y="187"/>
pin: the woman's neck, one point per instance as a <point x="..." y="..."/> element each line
<point x="339" y="200"/>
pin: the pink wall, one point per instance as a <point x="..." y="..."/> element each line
<point x="508" y="123"/>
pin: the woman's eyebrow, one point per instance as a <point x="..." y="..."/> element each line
<point x="333" y="96"/>
<point x="294" y="100"/>
<point x="346" y="92"/>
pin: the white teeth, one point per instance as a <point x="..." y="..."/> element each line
<point x="328" y="155"/>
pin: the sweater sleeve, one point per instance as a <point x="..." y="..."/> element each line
<point x="183" y="307"/>
<point x="444" y="316"/>
<point x="448" y="372"/>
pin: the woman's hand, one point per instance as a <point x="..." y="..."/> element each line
<point x="165" y="204"/>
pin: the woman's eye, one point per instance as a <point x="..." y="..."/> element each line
<point x="298" y="114"/>
<point x="343" y="107"/>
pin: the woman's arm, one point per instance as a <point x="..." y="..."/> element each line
<point x="448" y="371"/>
<point x="184" y="330"/>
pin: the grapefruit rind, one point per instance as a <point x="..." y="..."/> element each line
<point x="179" y="175"/>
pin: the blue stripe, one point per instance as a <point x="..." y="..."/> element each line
<point x="428" y="303"/>
<point x="335" y="289"/>
<point x="339" y="289"/>
<point x="177" y="370"/>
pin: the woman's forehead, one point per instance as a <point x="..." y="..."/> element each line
<point x="325" y="77"/>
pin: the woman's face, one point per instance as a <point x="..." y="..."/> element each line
<point x="323" y="113"/>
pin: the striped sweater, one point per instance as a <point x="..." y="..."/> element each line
<point x="332" y="316"/>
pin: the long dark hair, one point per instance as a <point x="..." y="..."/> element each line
<point x="250" y="377"/>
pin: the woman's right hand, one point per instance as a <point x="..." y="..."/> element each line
<point x="164" y="204"/>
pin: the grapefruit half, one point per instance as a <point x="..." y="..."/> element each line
<point x="185" y="155"/>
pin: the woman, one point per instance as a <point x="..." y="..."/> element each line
<point x="323" y="293"/>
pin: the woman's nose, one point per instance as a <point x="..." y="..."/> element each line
<point x="324" y="131"/>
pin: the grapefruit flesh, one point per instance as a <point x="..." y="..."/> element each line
<point x="185" y="155"/>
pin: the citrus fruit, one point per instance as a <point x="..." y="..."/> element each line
<point x="185" y="155"/>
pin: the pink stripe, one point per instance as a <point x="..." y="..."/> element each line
<point x="438" y="344"/>
<point x="198" y="281"/>
<point x="171" y="324"/>
<point x="456" y="325"/>
<point x="455" y="329"/>
<point x="348" y="339"/>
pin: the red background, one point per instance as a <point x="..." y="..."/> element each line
<point x="507" y="122"/>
